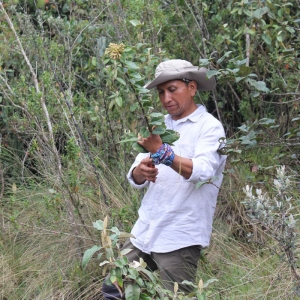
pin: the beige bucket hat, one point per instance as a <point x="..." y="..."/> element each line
<point x="181" y="69"/>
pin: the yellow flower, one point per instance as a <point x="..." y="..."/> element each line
<point x="115" y="50"/>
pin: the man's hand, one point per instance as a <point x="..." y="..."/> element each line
<point x="144" y="171"/>
<point x="152" y="143"/>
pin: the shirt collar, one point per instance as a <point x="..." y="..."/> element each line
<point x="194" y="116"/>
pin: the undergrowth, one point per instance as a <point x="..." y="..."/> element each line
<point x="39" y="258"/>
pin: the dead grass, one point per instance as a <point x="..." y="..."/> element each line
<point x="39" y="248"/>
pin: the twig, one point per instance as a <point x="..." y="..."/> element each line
<point x="188" y="30"/>
<point x="138" y="100"/>
<point x="56" y="232"/>
<point x="234" y="93"/>
<point x="287" y="94"/>
<point x="87" y="26"/>
<point x="7" y="85"/>
<point x="216" y="105"/>
<point x="1" y="170"/>
<point x="247" y="48"/>
<point x="113" y="21"/>
<point x="281" y="103"/>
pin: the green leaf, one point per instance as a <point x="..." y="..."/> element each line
<point x="204" y="61"/>
<point x="209" y="281"/>
<point x="187" y="282"/>
<point x="252" y="75"/>
<point x="131" y="65"/>
<point x="133" y="139"/>
<point x="170" y="136"/>
<point x="121" y="80"/>
<point x="290" y="29"/>
<point x="157" y="119"/>
<point x="113" y="278"/>
<point x="156" y="123"/>
<point x="104" y="263"/>
<point x="119" y="276"/>
<point x="126" y="235"/>
<point x="142" y="90"/>
<point x="261" y="86"/>
<point x="115" y="230"/>
<point x="125" y="251"/>
<point x="111" y="104"/>
<point x="136" y="76"/>
<point x="139" y="148"/>
<point x="119" y="101"/>
<point x="88" y="255"/>
<point x="250" y="31"/>
<point x="220" y="60"/>
<point x="202" y="296"/>
<point x="279" y="38"/>
<point x="240" y="62"/>
<point x="133" y="272"/>
<point x="211" y="73"/>
<point x="297" y="119"/>
<point x="144" y="132"/>
<point x="267" y="38"/>
<point x="260" y="12"/>
<point x="266" y="121"/>
<point x="145" y="297"/>
<point x="124" y="259"/>
<point x="156" y="115"/>
<point x="133" y="107"/>
<point x="140" y="282"/>
<point x="199" y="184"/>
<point x="98" y="225"/>
<point x="244" y="71"/>
<point x="94" y="61"/>
<point x="148" y="273"/>
<point x="136" y="23"/>
<point x="159" y="130"/>
<point x="238" y="79"/>
<point x="254" y="94"/>
<point x="132" y="292"/>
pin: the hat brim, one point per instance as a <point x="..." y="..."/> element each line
<point x="191" y="73"/>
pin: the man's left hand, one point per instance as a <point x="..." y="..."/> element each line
<point x="152" y="143"/>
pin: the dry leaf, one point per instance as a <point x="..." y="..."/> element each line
<point x="14" y="188"/>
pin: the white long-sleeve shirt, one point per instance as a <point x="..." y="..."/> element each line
<point x="174" y="213"/>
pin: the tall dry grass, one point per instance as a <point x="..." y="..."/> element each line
<point x="39" y="259"/>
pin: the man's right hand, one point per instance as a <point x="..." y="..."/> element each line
<point x="145" y="171"/>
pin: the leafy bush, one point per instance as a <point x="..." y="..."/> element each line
<point x="132" y="279"/>
<point x="277" y="216"/>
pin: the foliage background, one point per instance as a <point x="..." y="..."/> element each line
<point x="65" y="107"/>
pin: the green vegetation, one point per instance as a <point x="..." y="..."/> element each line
<point x="67" y="100"/>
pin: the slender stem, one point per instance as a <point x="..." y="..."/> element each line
<point x="138" y="99"/>
<point x="247" y="48"/>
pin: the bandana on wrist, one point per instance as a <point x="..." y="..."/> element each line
<point x="164" y="155"/>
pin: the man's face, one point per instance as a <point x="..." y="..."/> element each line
<point x="177" y="97"/>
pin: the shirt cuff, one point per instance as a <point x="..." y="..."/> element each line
<point x="132" y="182"/>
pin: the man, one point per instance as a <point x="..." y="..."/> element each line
<point x="175" y="217"/>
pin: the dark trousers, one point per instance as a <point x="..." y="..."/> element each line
<point x="174" y="266"/>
